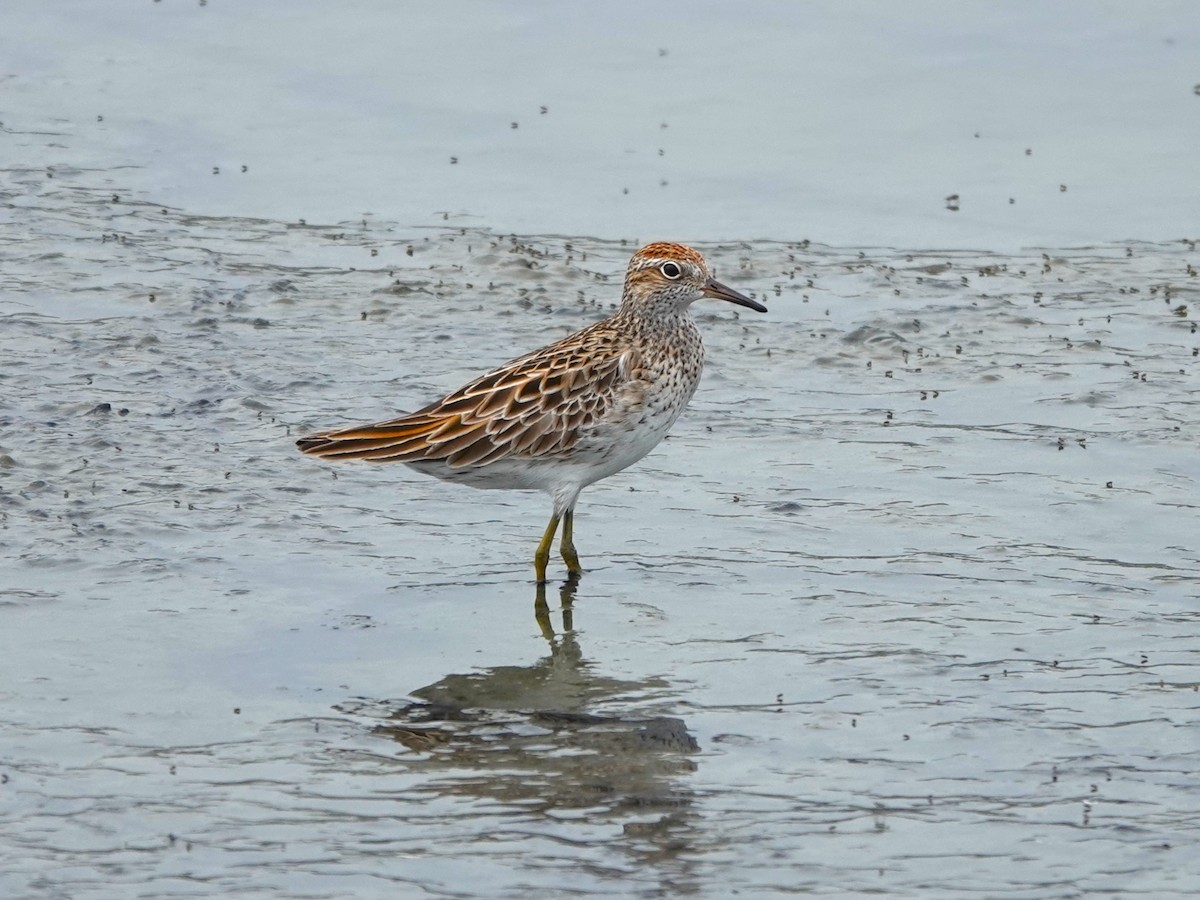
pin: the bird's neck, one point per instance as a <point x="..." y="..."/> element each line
<point x="663" y="317"/>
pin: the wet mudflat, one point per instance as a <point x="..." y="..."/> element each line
<point x="906" y="605"/>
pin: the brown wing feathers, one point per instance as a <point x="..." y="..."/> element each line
<point x="533" y="406"/>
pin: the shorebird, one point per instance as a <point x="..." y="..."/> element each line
<point x="567" y="415"/>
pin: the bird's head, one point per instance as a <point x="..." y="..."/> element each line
<point x="670" y="277"/>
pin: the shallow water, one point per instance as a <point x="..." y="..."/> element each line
<point x="905" y="605"/>
<point x="921" y="556"/>
<point x="1051" y="123"/>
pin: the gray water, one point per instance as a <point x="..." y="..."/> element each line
<point x="906" y="605"/>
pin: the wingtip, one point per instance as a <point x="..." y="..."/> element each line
<point x="309" y="444"/>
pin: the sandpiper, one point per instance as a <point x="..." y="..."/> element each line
<point x="567" y="415"/>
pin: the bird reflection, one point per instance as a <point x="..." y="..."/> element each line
<point x="550" y="738"/>
<point x="566" y="598"/>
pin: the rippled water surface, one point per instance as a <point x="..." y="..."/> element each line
<point x="906" y="605"/>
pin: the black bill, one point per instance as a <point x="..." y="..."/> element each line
<point x="714" y="288"/>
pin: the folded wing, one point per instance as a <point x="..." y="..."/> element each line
<point x="537" y="405"/>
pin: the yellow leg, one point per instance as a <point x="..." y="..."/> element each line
<point x="570" y="557"/>
<point x="543" y="551"/>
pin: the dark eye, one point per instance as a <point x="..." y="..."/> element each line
<point x="670" y="270"/>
